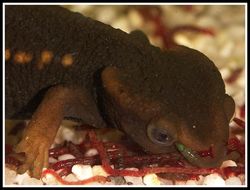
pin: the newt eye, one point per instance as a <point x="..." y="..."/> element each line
<point x="160" y="135"/>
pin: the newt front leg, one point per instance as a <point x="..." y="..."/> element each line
<point x="59" y="101"/>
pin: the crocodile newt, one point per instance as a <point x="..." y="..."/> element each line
<point x="63" y="65"/>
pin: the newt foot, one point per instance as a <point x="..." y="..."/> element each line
<point x="36" y="155"/>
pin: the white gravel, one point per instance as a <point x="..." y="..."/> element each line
<point x="82" y="171"/>
<point x="214" y="180"/>
<point x="98" y="170"/>
<point x="151" y="180"/>
<point x="91" y="152"/>
<point x="66" y="157"/>
<point x="228" y="163"/>
<point x="233" y="181"/>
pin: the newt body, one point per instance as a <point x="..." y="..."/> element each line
<point x="61" y="64"/>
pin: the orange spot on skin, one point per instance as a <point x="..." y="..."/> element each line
<point x="67" y="60"/>
<point x="46" y="58"/>
<point x="22" y="57"/>
<point x="7" y="54"/>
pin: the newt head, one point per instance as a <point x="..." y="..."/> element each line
<point x="181" y="100"/>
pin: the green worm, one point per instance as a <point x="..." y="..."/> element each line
<point x="192" y="156"/>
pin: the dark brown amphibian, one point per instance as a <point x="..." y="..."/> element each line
<point x="61" y="64"/>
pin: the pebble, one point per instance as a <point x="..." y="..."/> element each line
<point x="106" y="14"/>
<point x="91" y="152"/>
<point x="151" y="179"/>
<point x="200" y="180"/>
<point x="122" y="23"/>
<point x="239" y="98"/>
<point x="71" y="177"/>
<point x="241" y="81"/>
<point x="82" y="171"/>
<point x="98" y="170"/>
<point x="133" y="180"/>
<point x="228" y="163"/>
<point x="118" y="180"/>
<point x="184" y="40"/>
<point x="66" y="157"/>
<point x="81" y="8"/>
<point x="68" y="134"/>
<point x="233" y="181"/>
<point x="180" y="182"/>
<point x="21" y="177"/>
<point x="242" y="178"/>
<point x="206" y="22"/>
<point x="191" y="182"/>
<point x="32" y="181"/>
<point x="10" y="176"/>
<point x="214" y="180"/>
<point x="49" y="179"/>
<point x="227" y="49"/>
<point x="135" y="19"/>
<point x="225" y="73"/>
<point x="165" y="181"/>
<point x="52" y="160"/>
<point x="156" y="41"/>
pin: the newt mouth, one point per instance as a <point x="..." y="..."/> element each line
<point x="212" y="157"/>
